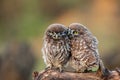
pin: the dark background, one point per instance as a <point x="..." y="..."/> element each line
<point x="23" y="22"/>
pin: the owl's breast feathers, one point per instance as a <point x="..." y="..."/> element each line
<point x="58" y="52"/>
<point x="84" y="50"/>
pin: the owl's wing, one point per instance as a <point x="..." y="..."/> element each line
<point x="92" y="43"/>
<point x="46" y="52"/>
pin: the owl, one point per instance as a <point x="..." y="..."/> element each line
<point x="84" y="51"/>
<point x="56" y="49"/>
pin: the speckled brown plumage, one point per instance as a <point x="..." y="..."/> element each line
<point x="56" y="50"/>
<point x="85" y="56"/>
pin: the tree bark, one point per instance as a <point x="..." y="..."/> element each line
<point x="56" y="75"/>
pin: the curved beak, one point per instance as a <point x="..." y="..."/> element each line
<point x="56" y="36"/>
<point x="69" y="33"/>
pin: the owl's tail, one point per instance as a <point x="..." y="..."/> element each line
<point x="103" y="71"/>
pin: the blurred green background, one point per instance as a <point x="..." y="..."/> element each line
<point x="23" y="22"/>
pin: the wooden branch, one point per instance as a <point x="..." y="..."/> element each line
<point x="56" y="75"/>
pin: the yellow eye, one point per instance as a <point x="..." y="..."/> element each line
<point x="75" y="33"/>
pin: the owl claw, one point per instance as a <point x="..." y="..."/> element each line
<point x="60" y="69"/>
<point x="48" y="67"/>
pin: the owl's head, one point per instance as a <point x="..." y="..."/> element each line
<point x="56" y="31"/>
<point x="76" y="30"/>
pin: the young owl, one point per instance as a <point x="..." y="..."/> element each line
<point x="56" y="50"/>
<point x="84" y="51"/>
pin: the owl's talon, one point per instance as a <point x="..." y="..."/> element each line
<point x="49" y="67"/>
<point x="60" y="69"/>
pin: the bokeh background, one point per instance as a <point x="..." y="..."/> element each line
<point x="23" y="22"/>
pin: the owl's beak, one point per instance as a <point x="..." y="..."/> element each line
<point x="55" y="36"/>
<point x="69" y="33"/>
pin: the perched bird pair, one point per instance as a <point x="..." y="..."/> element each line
<point x="75" y="46"/>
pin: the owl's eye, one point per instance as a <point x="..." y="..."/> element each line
<point x="55" y="35"/>
<point x="68" y="32"/>
<point x="63" y="33"/>
<point x="75" y="32"/>
<point x="50" y="33"/>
